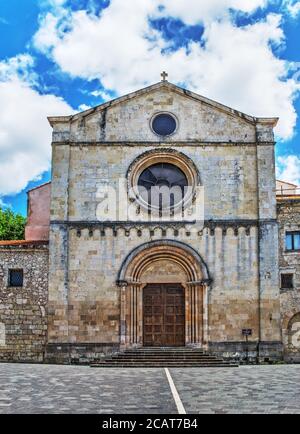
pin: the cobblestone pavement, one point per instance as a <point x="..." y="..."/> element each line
<point x="81" y="389"/>
<point x="74" y="389"/>
<point x="247" y="389"/>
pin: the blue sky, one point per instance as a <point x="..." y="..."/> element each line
<point x="57" y="58"/>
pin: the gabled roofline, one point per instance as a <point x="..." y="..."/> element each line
<point x="285" y="182"/>
<point x="58" y="119"/>
<point x="38" y="186"/>
<point x="230" y="111"/>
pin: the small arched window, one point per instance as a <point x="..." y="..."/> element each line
<point x="294" y="331"/>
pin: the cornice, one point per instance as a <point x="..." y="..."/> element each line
<point x="183" y="143"/>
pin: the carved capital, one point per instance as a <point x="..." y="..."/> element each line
<point x="122" y="283"/>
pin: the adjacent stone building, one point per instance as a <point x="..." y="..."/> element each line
<point x="130" y="269"/>
<point x="23" y="300"/>
<point x="38" y="212"/>
<point x="288" y="210"/>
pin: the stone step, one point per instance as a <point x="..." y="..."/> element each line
<point x="125" y="358"/>
<point x="132" y="362"/>
<point x="162" y="357"/>
<point x="164" y="348"/>
<point x="163" y="365"/>
<point x="165" y="351"/>
<point x="170" y="356"/>
<point x="154" y="363"/>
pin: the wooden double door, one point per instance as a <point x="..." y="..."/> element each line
<point x="164" y="315"/>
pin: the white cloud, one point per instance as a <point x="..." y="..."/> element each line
<point x="57" y="2"/>
<point x="25" y="135"/>
<point x="83" y="107"/>
<point x="236" y="66"/>
<point x="288" y="169"/>
<point x="52" y="3"/>
<point x="204" y="11"/>
<point x="19" y="66"/>
<point x="293" y="7"/>
<point x="105" y="96"/>
<point x="47" y="35"/>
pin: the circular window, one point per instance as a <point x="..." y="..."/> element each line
<point x="162" y="185"/>
<point x="164" y="124"/>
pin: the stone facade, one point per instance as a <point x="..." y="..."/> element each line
<point x="23" y="310"/>
<point x="89" y="305"/>
<point x="289" y="262"/>
<point x="226" y="260"/>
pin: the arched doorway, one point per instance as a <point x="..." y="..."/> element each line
<point x="169" y="280"/>
<point x="294" y="333"/>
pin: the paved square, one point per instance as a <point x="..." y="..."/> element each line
<point x="80" y="389"/>
<point x="247" y="389"/>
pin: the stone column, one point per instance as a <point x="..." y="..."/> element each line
<point x="188" y="337"/>
<point x="123" y="286"/>
<point x="58" y="311"/>
<point x="194" y="313"/>
<point x="270" y="345"/>
<point x="131" y="314"/>
<point x="205" y="320"/>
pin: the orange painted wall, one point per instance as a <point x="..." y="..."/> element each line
<point x="38" y="218"/>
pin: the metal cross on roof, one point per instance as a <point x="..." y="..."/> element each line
<point x="164" y="75"/>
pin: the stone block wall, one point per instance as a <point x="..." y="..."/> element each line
<point x="234" y="155"/>
<point x="89" y="312"/>
<point x="289" y="262"/>
<point x="23" y="310"/>
<point x="129" y="120"/>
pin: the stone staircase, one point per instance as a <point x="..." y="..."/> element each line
<point x="156" y="357"/>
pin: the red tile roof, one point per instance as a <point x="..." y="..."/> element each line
<point x="22" y="242"/>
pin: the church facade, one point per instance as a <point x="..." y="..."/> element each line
<point x="128" y="268"/>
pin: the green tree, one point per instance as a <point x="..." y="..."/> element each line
<point x="12" y="225"/>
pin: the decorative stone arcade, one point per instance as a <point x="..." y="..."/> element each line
<point x="164" y="262"/>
